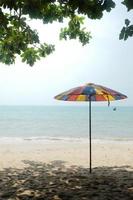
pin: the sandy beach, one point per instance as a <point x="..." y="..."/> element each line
<point x="59" y="170"/>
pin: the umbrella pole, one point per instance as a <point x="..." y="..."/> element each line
<point x="90" y="133"/>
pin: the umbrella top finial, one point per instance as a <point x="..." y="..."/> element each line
<point x="89" y="84"/>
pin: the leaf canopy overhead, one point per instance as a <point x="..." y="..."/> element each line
<point x="18" y="38"/>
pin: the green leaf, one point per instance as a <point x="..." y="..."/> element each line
<point x="30" y="56"/>
<point x="45" y="50"/>
<point x="122" y="33"/>
<point x="127" y="22"/>
<point x="128" y="4"/>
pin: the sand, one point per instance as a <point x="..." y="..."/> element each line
<point x="59" y="170"/>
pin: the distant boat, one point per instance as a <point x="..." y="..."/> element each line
<point x="114" y="109"/>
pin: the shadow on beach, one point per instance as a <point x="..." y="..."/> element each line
<point x="54" y="181"/>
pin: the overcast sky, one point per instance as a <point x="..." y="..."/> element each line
<point x="106" y="61"/>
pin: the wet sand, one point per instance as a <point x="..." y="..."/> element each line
<point x="58" y="170"/>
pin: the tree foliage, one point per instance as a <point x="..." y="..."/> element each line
<point x="127" y="30"/>
<point x="18" y="38"/>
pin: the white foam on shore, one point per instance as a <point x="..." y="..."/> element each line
<point x="18" y="140"/>
<point x="8" y="140"/>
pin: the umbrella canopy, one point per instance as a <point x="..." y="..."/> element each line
<point x="90" y="92"/>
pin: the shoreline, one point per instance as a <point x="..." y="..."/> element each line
<point x="104" y="153"/>
<point x="49" y="139"/>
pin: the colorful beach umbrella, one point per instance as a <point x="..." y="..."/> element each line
<point x="90" y="92"/>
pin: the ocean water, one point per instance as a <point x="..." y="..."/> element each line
<point x="65" y="122"/>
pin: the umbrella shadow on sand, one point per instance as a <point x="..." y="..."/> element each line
<point x="55" y="181"/>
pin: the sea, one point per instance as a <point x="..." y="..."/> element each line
<point x="65" y="123"/>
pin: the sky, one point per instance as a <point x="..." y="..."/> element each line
<point x="105" y="60"/>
